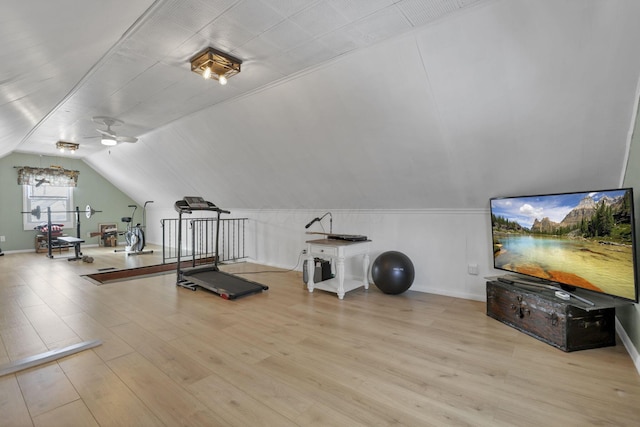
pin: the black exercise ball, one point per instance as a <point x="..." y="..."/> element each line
<point x="392" y="272"/>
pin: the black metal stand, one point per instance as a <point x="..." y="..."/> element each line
<point x="74" y="242"/>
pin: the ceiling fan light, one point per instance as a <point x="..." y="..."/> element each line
<point x="108" y="141"/>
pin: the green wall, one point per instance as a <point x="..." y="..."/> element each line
<point x="92" y="190"/>
<point x="629" y="316"/>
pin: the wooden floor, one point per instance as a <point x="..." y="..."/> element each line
<point x="285" y="357"/>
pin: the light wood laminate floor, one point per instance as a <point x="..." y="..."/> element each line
<point x="285" y="357"/>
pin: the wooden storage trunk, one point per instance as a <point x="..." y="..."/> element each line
<point x="548" y="318"/>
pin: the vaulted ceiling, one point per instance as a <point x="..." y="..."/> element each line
<point x="376" y="104"/>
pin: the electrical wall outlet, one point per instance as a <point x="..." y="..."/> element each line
<point x="473" y="269"/>
<point x="2" y="239"/>
<point x="304" y="252"/>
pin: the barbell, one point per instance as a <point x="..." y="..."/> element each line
<point x="37" y="212"/>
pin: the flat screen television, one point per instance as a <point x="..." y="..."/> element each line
<point x="576" y="240"/>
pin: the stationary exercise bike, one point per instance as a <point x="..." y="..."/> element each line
<point x="134" y="235"/>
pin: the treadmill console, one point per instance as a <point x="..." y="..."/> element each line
<point x="195" y="202"/>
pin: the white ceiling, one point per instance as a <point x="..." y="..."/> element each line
<point x="340" y="104"/>
<point x="130" y="60"/>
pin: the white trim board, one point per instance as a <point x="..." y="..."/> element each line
<point x="48" y="356"/>
<point x="626" y="341"/>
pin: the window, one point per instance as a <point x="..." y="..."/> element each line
<point x="59" y="199"/>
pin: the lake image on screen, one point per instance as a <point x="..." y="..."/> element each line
<point x="579" y="239"/>
<point x="586" y="264"/>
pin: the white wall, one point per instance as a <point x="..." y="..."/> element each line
<point x="441" y="243"/>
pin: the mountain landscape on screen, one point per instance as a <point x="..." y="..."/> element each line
<point x="584" y="240"/>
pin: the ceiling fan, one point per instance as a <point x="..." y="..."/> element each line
<point x="108" y="136"/>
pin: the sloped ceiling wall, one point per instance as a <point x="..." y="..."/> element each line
<point x="510" y="98"/>
<point x="47" y="48"/>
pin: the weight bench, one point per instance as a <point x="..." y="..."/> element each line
<point x="75" y="242"/>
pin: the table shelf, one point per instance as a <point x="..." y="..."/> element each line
<point x="338" y="251"/>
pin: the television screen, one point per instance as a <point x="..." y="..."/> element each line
<point x="582" y="240"/>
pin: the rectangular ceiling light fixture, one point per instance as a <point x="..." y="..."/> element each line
<point x="67" y="146"/>
<point x="214" y="64"/>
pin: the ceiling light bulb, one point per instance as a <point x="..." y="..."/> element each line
<point x="222" y="80"/>
<point x="207" y="73"/>
<point x="61" y="149"/>
<point x="108" y="141"/>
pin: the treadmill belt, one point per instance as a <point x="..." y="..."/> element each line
<point x="224" y="284"/>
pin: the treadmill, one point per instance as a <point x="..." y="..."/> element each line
<point x="210" y="277"/>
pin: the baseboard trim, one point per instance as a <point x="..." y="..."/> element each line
<point x="19" y="251"/>
<point x="628" y="344"/>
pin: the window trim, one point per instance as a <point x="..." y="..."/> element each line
<point x="29" y="222"/>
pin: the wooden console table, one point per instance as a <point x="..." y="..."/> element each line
<point x="337" y="250"/>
